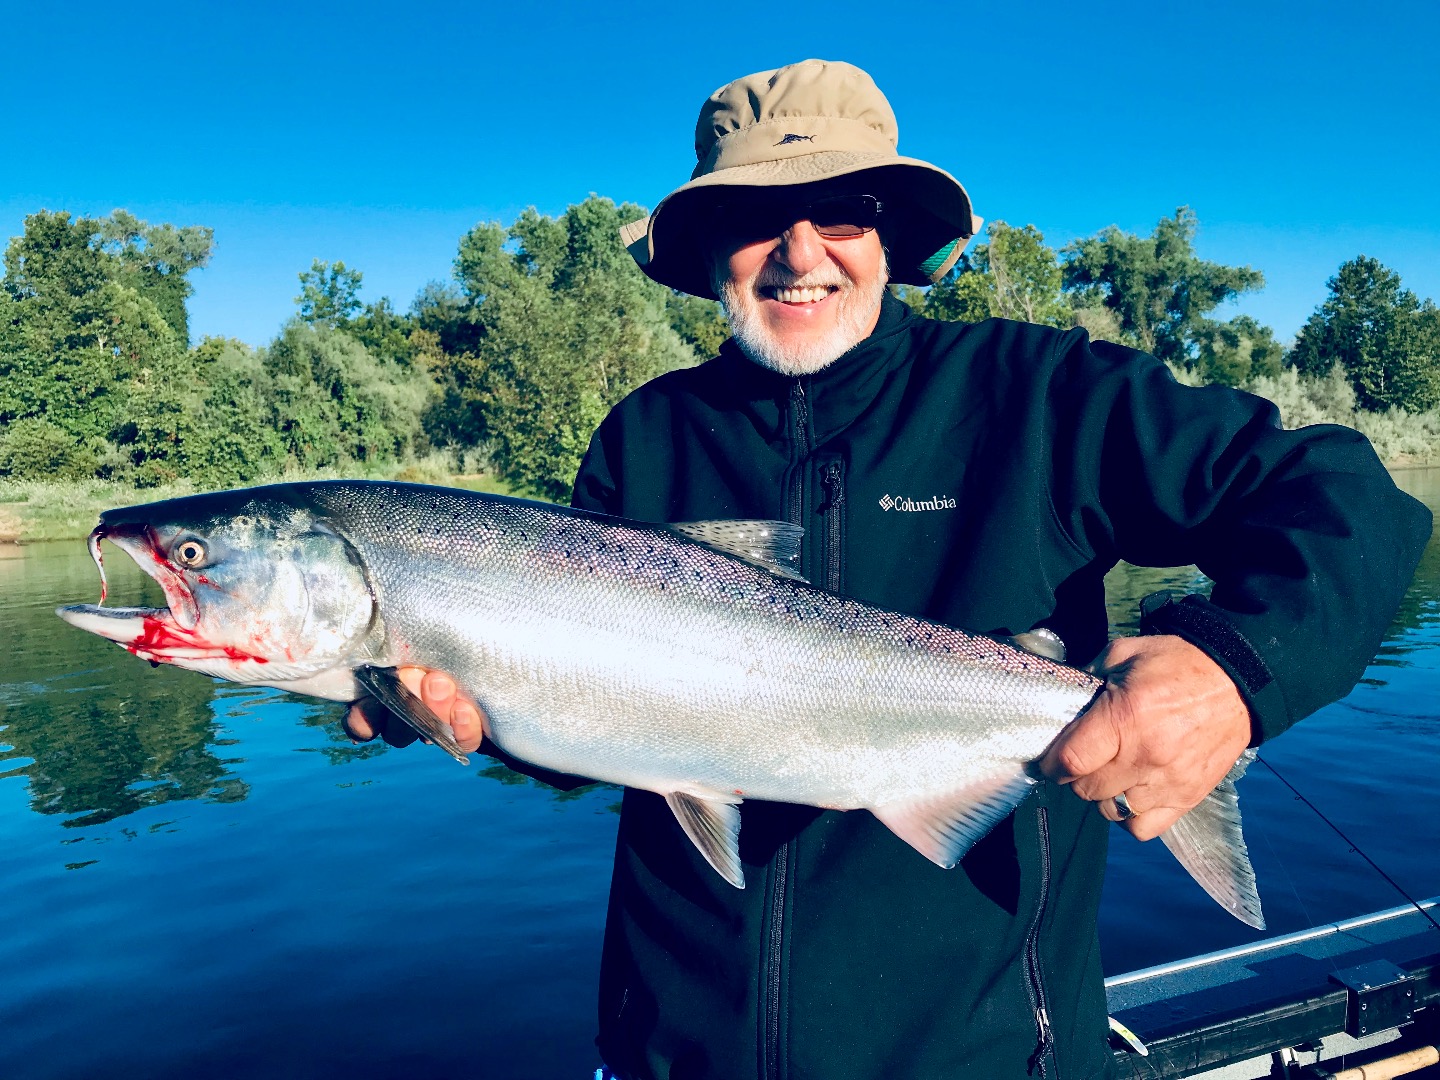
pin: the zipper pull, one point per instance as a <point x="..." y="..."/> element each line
<point x="831" y="479"/>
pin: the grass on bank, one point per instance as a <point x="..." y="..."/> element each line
<point x="32" y="511"/>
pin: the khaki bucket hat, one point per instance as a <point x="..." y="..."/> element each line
<point x="818" y="122"/>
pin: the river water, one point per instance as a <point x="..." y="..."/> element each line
<point x="204" y="879"/>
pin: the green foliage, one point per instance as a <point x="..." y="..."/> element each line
<point x="1235" y="352"/>
<point x="966" y="294"/>
<point x="1381" y="335"/>
<point x="1399" y="436"/>
<point x="1011" y="276"/>
<point x="155" y="262"/>
<point x="1103" y="324"/>
<point x="236" y="437"/>
<point x="36" y="449"/>
<point x="89" y="352"/>
<point x="562" y="325"/>
<point x="699" y="322"/>
<point x="1024" y="276"/>
<point x="335" y="402"/>
<point x="1157" y="286"/>
<point x="329" y="294"/>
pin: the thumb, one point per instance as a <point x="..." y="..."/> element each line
<point x="1085" y="745"/>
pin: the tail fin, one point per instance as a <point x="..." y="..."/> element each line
<point x="1209" y="844"/>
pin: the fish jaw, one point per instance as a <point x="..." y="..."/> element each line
<point x="152" y="634"/>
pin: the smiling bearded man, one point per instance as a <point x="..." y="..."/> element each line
<point x="986" y="476"/>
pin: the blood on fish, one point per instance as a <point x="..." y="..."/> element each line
<point x="156" y="635"/>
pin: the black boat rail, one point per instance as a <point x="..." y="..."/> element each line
<point x="1287" y="1007"/>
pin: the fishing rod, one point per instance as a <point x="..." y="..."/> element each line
<point x="1353" y="845"/>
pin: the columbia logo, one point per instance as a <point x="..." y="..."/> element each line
<point x="939" y="502"/>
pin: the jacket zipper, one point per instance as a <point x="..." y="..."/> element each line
<point x="834" y="480"/>
<point x="1034" y="983"/>
<point x="800" y="409"/>
<point x="775" y="943"/>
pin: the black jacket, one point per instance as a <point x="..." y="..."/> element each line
<point x="986" y="476"/>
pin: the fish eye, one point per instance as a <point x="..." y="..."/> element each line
<point x="190" y="553"/>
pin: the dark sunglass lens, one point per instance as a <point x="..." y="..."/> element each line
<point x="845" y="216"/>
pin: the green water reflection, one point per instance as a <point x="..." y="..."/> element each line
<point x="97" y="734"/>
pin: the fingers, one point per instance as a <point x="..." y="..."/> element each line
<point x="438" y="691"/>
<point x="1150" y="824"/>
<point x="367" y="718"/>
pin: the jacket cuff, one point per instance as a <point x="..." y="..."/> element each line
<point x="1207" y="627"/>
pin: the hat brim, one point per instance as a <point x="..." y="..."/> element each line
<point x="926" y="210"/>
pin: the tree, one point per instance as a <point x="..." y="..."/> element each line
<point x="1385" y="339"/>
<point x="329" y="294"/>
<point x="699" y="322"/>
<point x="1025" y="274"/>
<point x="1236" y="352"/>
<point x="1011" y="276"/>
<point x="561" y="325"/>
<point x="335" y="403"/>
<point x="966" y="294"/>
<point x="88" y="353"/>
<point x="156" y="261"/>
<point x="1158" y="287"/>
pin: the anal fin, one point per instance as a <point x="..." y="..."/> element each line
<point x="385" y="685"/>
<point x="713" y="825"/>
<point x="1210" y="845"/>
<point x="944" y="827"/>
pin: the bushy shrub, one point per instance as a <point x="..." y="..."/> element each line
<point x="36" y="449"/>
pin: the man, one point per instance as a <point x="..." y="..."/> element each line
<point x="1039" y="458"/>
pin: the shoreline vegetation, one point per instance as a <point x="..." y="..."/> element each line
<point x="498" y="377"/>
<point x="45" y="511"/>
<point x="40" y="511"/>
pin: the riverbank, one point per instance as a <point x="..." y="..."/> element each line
<point x="33" y="511"/>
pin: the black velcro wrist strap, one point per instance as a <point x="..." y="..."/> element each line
<point x="1199" y="622"/>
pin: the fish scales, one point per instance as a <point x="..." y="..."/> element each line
<point x="612" y="636"/>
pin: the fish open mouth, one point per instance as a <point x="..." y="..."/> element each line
<point x="162" y="635"/>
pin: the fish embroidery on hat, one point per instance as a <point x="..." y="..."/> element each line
<point x="788" y="139"/>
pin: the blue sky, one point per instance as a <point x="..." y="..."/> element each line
<point x="1302" y="134"/>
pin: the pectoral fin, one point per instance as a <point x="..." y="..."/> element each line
<point x="713" y="825"/>
<point x="945" y="827"/>
<point x="385" y="685"/>
<point x="1209" y="844"/>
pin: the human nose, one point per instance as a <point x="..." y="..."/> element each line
<point x="801" y="248"/>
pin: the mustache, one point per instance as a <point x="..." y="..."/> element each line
<point x="773" y="277"/>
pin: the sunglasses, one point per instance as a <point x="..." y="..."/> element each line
<point x="839" y="217"/>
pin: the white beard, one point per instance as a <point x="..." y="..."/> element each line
<point x="858" y="306"/>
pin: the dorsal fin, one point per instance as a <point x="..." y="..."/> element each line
<point x="770" y="545"/>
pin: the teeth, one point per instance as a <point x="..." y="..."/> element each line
<point x="806" y="295"/>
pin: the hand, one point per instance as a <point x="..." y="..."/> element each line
<point x="1165" y="730"/>
<point x="367" y="718"/>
